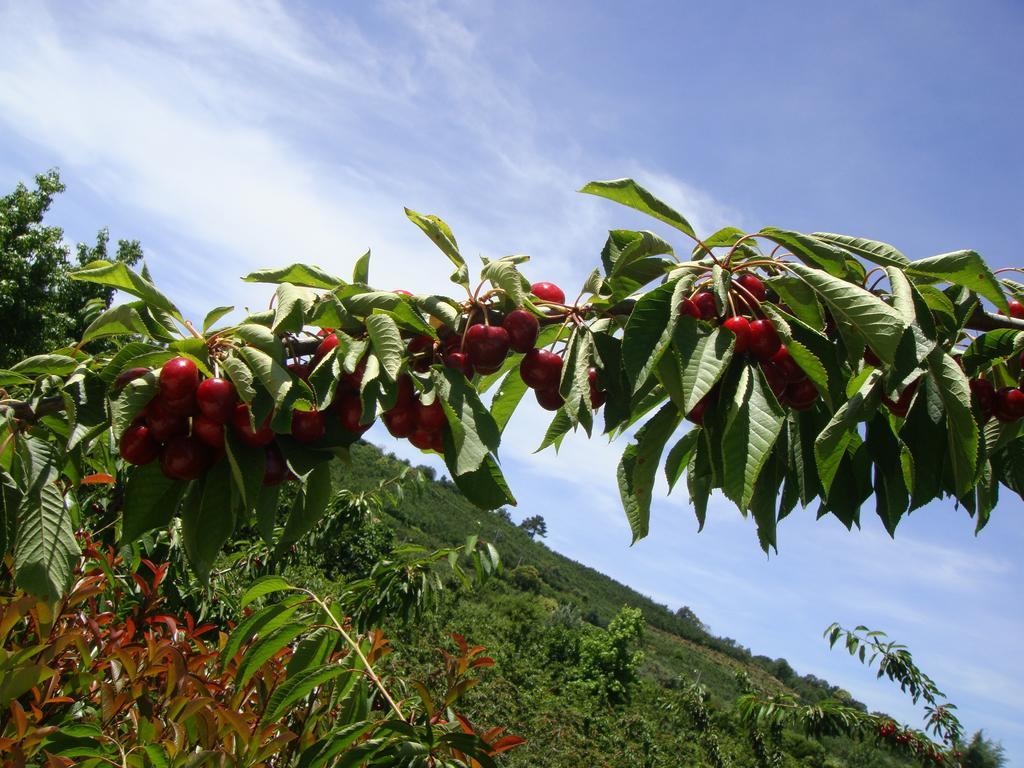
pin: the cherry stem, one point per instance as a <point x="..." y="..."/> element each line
<point x="728" y="256"/>
<point x="756" y="306"/>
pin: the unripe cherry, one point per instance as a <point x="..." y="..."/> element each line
<point x="523" y="328"/>
<point x="137" y="446"/>
<point x="216" y="399"/>
<point x="548" y="292"/>
<point x="179" y="378"/>
<point x="740" y="326"/>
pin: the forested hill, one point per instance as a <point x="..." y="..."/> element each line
<point x="537" y="622"/>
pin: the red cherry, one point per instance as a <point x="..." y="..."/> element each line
<point x="184" y="458"/>
<point x="696" y="414"/>
<point x="1009" y="404"/>
<point x="421" y="353"/>
<point x="182" y="406"/>
<point x="406" y="391"/>
<point x="353" y="382"/>
<point x="871" y="358"/>
<point x="307" y="426"/>
<point x="437" y="441"/>
<point x="430" y="417"/>
<point x="487" y="346"/>
<point x="423" y="439"/>
<point x="549" y="399"/>
<point x="1016" y="309"/>
<point x="985" y="394"/>
<point x="598" y="396"/>
<point x="209" y="431"/>
<point x="179" y="378"/>
<point x="741" y="327"/>
<point x="764" y="340"/>
<point x="801" y="395"/>
<point x="137" y="446"/>
<point x="541" y="369"/>
<point x="130" y="375"/>
<point x="522" y="328"/>
<point x="275" y="470"/>
<point x="164" y="423"/>
<point x="787" y="365"/>
<point x="689" y="307"/>
<point x="548" y="292"/>
<point x="402" y="292"/>
<point x="299" y="370"/>
<point x="753" y="285"/>
<point x="350" y="411"/>
<point x="776" y="378"/>
<point x="460" y="362"/>
<point x="705" y="301"/>
<point x="401" y="420"/>
<point x="248" y="435"/>
<point x="902" y="405"/>
<point x="330" y="342"/>
<point x="216" y="399"/>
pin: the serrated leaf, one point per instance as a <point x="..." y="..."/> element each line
<point x="627" y="192"/>
<point x="639" y="465"/>
<point x="879" y="323"/>
<point x="818" y="253"/>
<point x="290" y="307"/>
<point x="263" y="586"/>
<point x="962" y="430"/>
<point x="703" y="358"/>
<point x="832" y="443"/>
<point x="214" y="315"/>
<point x="386" y="340"/>
<point x="49" y="365"/>
<point x="964" y="268"/>
<point x="441" y="235"/>
<point x="361" y="270"/>
<point x="248" y="465"/>
<point x="485" y="486"/>
<point x="150" y="500"/>
<point x="990" y="347"/>
<point x="207" y="519"/>
<point x="307" y="275"/>
<point x="300" y="685"/>
<point x="504" y="275"/>
<point x="315" y="499"/>
<point x="262" y="338"/>
<point x="507" y="398"/>
<point x="474" y="432"/>
<point x="679" y="457"/>
<point x="753" y="423"/>
<point x="124" y="319"/>
<point x="45" y="549"/>
<point x="648" y="333"/>
<point x="129" y="403"/>
<point x="118" y="275"/>
<point x="800" y="298"/>
<point x="873" y="250"/>
<point x="276" y="380"/>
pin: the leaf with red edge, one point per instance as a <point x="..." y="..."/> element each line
<point x="504" y="744"/>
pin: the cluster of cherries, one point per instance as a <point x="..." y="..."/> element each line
<point x="1007" y="403"/>
<point x="755" y="337"/>
<point x="184" y="424"/>
<point x="889" y="731"/>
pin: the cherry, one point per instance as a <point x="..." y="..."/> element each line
<point x="985" y="394"/>
<point x="764" y="340"/>
<point x="130" y="375"/>
<point x="216" y="399"/>
<point x="705" y="301"/>
<point x="330" y="342"/>
<point x="421" y="352"/>
<point x="350" y="411"/>
<point x="353" y="382"/>
<point x="182" y="406"/>
<point x="689" y="307"/>
<point x="902" y="405"/>
<point x="541" y="369"/>
<point x="307" y="426"/>
<point x="460" y="362"/>
<point x="402" y="292"/>
<point x="871" y="358"/>
<point x="1009" y="404"/>
<point x="522" y="328"/>
<point x="753" y="285"/>
<point x="801" y="395"/>
<point x="299" y="370"/>
<point x="430" y="417"/>
<point x="184" y="458"/>
<point x="209" y="431"/>
<point x="275" y="470"/>
<point x="424" y="439"/>
<point x="164" y="423"/>
<point x="787" y="365"/>
<point x="598" y="396"/>
<point x="549" y="399"/>
<point x="251" y="437"/>
<point x="1016" y="309"/>
<point x="487" y="346"/>
<point x="406" y="391"/>
<point x="776" y="378"/>
<point x="696" y="414"/>
<point x="401" y="420"/>
<point x="740" y="326"/>
<point x="137" y="446"/>
<point x="548" y="292"/>
<point x="179" y="378"/>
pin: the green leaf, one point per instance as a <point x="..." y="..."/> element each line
<point x="241" y="376"/>
<point x="626" y="248"/>
<point x="832" y="443"/>
<point x="965" y="268"/>
<point x="962" y="431"/>
<point x="753" y="423"/>
<point x="817" y="253"/>
<point x="474" y="432"/>
<point x="277" y="381"/>
<point x="262" y="338"/>
<point x="639" y="465"/>
<point x="263" y="622"/>
<point x="800" y="298"/>
<point x="291" y="305"/>
<point x="703" y="357"/>
<point x="679" y="457"/>
<point x="990" y="347"/>
<point x="315" y="499"/>
<point x="441" y="235"/>
<point x="266" y="512"/>
<point x="298" y="687"/>
<point x="50" y="365"/>
<point x="879" y="323"/>
<point x="214" y="315"/>
<point x="297" y="274"/>
<point x="872" y="250"/>
<point x="260" y="652"/>
<point x="627" y="192"/>
<point x="648" y="333"/>
<point x="248" y="465"/>
<point x="507" y="398"/>
<point x="386" y="341"/>
<point x="150" y="500"/>
<point x="207" y="519"/>
<point x="124" y="319"/>
<point x="45" y="550"/>
<point x="263" y="586"/>
<point x="556" y="431"/>
<point x="118" y="275"/>
<point x="504" y="275"/>
<point x="485" y="486"/>
<point x="361" y="270"/>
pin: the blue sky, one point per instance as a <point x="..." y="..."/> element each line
<point x="231" y="136"/>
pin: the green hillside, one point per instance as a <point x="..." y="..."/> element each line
<point x="541" y="623"/>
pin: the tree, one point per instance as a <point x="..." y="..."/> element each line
<point x="983" y="753"/>
<point x="534" y="526"/>
<point x="40" y="307"/>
